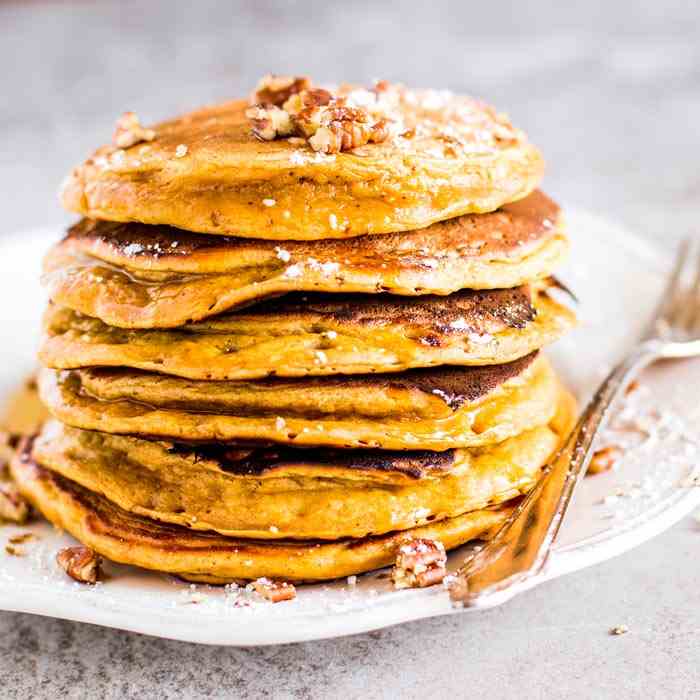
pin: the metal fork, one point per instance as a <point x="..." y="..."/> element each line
<point x="516" y="556"/>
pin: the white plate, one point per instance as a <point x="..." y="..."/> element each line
<point x="617" y="279"/>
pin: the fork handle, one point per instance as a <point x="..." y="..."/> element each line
<point x="519" y="550"/>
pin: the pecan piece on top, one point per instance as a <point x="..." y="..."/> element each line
<point x="604" y="459"/>
<point x="346" y="134"/>
<point x="81" y="563"/>
<point x="277" y="89"/>
<point x="269" y="123"/>
<point x="291" y="107"/>
<point x="331" y="125"/>
<point x="13" y="507"/>
<point x="274" y="591"/>
<point x="129" y="132"/>
<point x="420" y="562"/>
<point x="303" y="104"/>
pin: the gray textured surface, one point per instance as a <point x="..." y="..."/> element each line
<point x="610" y="91"/>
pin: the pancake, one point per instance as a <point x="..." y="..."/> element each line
<point x="288" y="336"/>
<point x="130" y="539"/>
<point x="431" y="409"/>
<point x="298" y="494"/>
<point x="138" y="276"/>
<point x="456" y="156"/>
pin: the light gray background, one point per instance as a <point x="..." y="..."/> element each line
<point x="609" y="90"/>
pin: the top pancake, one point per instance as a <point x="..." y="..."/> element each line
<point x="138" y="276"/>
<point x="454" y="155"/>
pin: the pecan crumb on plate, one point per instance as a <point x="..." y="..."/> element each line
<point x="604" y="459"/>
<point x="274" y="591"/>
<point x="13" y="507"/>
<point x="81" y="563"/>
<point x="21" y="538"/>
<point x="419" y="563"/>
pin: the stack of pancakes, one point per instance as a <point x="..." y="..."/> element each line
<point x="267" y="361"/>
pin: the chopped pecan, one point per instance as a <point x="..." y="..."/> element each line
<point x="13" y="507"/>
<point x="277" y="89"/>
<point x="382" y="86"/>
<point x="307" y="100"/>
<point x="632" y="387"/>
<point x="330" y="123"/>
<point x="21" y="538"/>
<point x="604" y="459"/>
<point x="346" y="134"/>
<point x="269" y="123"/>
<point x="81" y="563"/>
<point x="420" y="562"/>
<point x="334" y="127"/>
<point x="274" y="591"/>
<point x="129" y="131"/>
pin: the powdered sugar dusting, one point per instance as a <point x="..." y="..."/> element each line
<point x="282" y="254"/>
<point x="293" y="271"/>
<point x="656" y="444"/>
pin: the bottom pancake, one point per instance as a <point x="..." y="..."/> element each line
<point x="130" y="539"/>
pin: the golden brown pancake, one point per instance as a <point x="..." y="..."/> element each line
<point x="452" y="161"/>
<point x="138" y="276"/>
<point x="298" y="494"/>
<point x="200" y="556"/>
<point x="430" y="409"/>
<point x="317" y="334"/>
